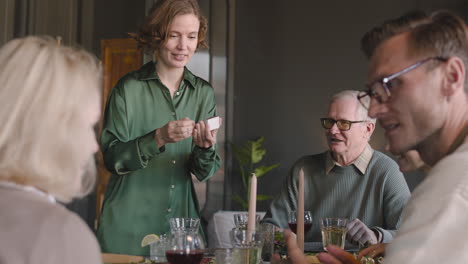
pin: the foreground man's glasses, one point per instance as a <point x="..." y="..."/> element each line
<point x="343" y="125"/>
<point x="380" y="89"/>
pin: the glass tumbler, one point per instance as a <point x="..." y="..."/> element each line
<point x="158" y="249"/>
<point x="247" y="246"/>
<point x="184" y="225"/>
<point x="187" y="248"/>
<point x="241" y="220"/>
<point x="334" y="231"/>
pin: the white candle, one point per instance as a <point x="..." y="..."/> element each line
<point x="300" y="211"/>
<point x="252" y="206"/>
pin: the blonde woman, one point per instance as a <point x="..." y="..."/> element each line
<point x="50" y="104"/>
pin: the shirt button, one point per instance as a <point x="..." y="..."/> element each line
<point x="177" y="93"/>
<point x="173" y="186"/>
<point x="173" y="162"/>
<point x="169" y="210"/>
<point x="173" y="113"/>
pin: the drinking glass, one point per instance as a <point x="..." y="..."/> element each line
<point x="247" y="247"/>
<point x="241" y="220"/>
<point x="158" y="249"/>
<point x="224" y="256"/>
<point x="184" y="225"/>
<point x="333" y="231"/>
<point x="292" y="221"/>
<point x="185" y="248"/>
<point x="268" y="231"/>
<point x="236" y="256"/>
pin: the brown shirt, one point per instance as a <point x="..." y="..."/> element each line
<point x="35" y="230"/>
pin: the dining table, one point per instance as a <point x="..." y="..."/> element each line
<point x="109" y="258"/>
<point x="311" y="249"/>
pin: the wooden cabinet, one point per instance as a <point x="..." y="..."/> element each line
<point x="119" y="56"/>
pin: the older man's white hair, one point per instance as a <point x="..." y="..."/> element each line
<point x="361" y="111"/>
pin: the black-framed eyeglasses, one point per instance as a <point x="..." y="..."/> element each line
<point x="343" y="125"/>
<point x="380" y="89"/>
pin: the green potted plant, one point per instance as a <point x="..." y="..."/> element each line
<point x="248" y="157"/>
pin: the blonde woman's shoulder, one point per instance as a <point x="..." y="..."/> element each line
<point x="35" y="228"/>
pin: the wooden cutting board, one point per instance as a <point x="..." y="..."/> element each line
<point x="119" y="259"/>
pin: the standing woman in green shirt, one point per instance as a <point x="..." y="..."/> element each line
<point x="154" y="134"/>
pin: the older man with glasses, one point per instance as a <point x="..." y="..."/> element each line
<point x="419" y="91"/>
<point x="350" y="180"/>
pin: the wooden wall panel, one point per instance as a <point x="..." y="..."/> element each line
<point x="119" y="56"/>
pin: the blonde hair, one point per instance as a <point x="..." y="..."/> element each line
<point x="44" y="86"/>
<point x="437" y="34"/>
<point x="361" y="111"/>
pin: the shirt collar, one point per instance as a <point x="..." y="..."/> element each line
<point x="148" y="72"/>
<point x="28" y="188"/>
<point x="361" y="163"/>
<point x="459" y="140"/>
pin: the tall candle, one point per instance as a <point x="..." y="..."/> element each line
<point x="300" y="211"/>
<point x="252" y="206"/>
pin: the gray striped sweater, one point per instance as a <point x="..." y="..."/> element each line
<point x="376" y="197"/>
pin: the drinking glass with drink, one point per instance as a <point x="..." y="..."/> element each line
<point x="333" y="231"/>
<point x="247" y="246"/>
<point x="185" y="248"/>
<point x="292" y="221"/>
<point x="158" y="249"/>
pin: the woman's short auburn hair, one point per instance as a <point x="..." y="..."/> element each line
<point x="155" y="29"/>
<point x="45" y="87"/>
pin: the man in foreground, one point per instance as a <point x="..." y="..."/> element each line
<point x="417" y="82"/>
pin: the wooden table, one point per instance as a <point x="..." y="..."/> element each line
<point x="109" y="258"/>
<point x="120" y="259"/>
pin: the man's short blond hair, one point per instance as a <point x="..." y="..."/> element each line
<point x="44" y="86"/>
<point x="437" y="34"/>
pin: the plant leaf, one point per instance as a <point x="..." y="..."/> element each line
<point x="261" y="197"/>
<point x="242" y="154"/>
<point x="257" y="150"/>
<point x="260" y="171"/>
<point x="239" y="200"/>
<point x="247" y="155"/>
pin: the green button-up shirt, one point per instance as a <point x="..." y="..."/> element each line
<point x="150" y="185"/>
